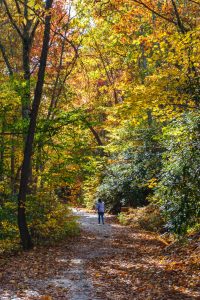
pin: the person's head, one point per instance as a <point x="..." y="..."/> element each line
<point x="100" y="200"/>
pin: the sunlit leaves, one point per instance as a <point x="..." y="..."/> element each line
<point x="178" y="189"/>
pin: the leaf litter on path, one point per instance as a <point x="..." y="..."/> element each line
<point x="105" y="262"/>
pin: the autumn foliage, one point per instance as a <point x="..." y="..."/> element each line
<point x="111" y="89"/>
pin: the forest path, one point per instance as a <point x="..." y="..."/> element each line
<point x="106" y="262"/>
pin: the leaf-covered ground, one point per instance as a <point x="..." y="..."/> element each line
<point x="105" y="262"/>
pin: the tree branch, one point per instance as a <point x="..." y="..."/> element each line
<point x="155" y="12"/>
<point x="179" y="22"/>
<point x="18" y="7"/>
<point x="32" y="34"/>
<point x="195" y="2"/>
<point x="107" y="71"/>
<point x="11" y="19"/>
<point x="8" y="65"/>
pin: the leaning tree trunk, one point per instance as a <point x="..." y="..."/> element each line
<point x="23" y="228"/>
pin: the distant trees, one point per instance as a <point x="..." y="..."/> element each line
<point x="147" y="53"/>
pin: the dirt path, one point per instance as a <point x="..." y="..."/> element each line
<point x="106" y="262"/>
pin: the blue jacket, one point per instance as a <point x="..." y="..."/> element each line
<point x="100" y="207"/>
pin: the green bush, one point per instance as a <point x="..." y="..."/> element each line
<point x="123" y="218"/>
<point x="179" y="187"/>
<point x="8" y="219"/>
<point x="48" y="220"/>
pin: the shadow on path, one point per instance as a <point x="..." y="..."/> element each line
<point x="106" y="262"/>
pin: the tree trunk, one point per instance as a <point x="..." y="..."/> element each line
<point x="178" y="18"/>
<point x="26" y="45"/>
<point x="23" y="228"/>
<point x="2" y="150"/>
<point x="26" y="68"/>
<point x="12" y="165"/>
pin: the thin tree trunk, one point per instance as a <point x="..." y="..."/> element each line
<point x="52" y="104"/>
<point x="6" y="60"/>
<point x="178" y="18"/>
<point x="26" y="45"/>
<point x="26" y="67"/>
<point x="2" y="149"/>
<point x="23" y="228"/>
<point x="12" y="165"/>
<point x="110" y="80"/>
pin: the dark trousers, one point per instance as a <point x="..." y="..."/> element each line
<point x="101" y="217"/>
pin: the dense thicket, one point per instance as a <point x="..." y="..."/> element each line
<point x="118" y="116"/>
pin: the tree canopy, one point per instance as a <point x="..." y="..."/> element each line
<point x="98" y="99"/>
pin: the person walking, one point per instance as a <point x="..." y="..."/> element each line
<point x="100" y="209"/>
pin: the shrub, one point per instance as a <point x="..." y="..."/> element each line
<point x="48" y="220"/>
<point x="123" y="218"/>
<point x="179" y="187"/>
<point x="148" y="218"/>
